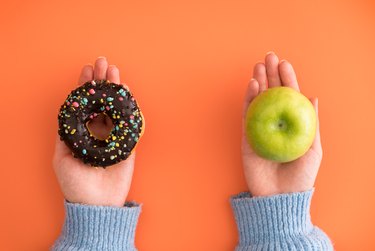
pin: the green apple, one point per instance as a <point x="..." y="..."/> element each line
<point x="280" y="124"/>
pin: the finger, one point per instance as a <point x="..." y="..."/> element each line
<point x="287" y="75"/>
<point x="60" y="148"/>
<point x="259" y="73"/>
<point x="251" y="92"/>
<point x="87" y="74"/>
<point x="125" y="86"/>
<point x="113" y="74"/>
<point x="100" y="70"/>
<point x="124" y="170"/>
<point x="316" y="145"/>
<point x="272" y="63"/>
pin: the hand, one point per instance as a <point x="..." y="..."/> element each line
<point x="81" y="183"/>
<point x="265" y="177"/>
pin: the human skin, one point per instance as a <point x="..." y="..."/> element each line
<point x="81" y="183"/>
<point x="265" y="177"/>
<point x="109" y="187"/>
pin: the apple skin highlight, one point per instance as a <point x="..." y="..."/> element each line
<point x="280" y="124"/>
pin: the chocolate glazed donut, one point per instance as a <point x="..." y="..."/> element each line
<point x="88" y="101"/>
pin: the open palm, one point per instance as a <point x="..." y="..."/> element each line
<point x="81" y="183"/>
<point x="265" y="177"/>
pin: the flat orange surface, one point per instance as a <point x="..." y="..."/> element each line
<point x="188" y="64"/>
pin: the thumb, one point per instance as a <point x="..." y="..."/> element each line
<point x="316" y="145"/>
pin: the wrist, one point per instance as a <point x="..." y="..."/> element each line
<point x="95" y="199"/>
<point x="270" y="190"/>
<point x="98" y="203"/>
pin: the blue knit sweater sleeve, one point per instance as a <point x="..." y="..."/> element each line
<point x="278" y="222"/>
<point x="101" y="228"/>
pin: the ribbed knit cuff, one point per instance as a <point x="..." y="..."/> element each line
<point x="271" y="219"/>
<point x="89" y="227"/>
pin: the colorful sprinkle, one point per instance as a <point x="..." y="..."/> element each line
<point x="117" y="105"/>
<point x="84" y="101"/>
<point x="122" y="92"/>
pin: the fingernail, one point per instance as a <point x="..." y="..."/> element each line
<point x="102" y="57"/>
<point x="270" y="52"/>
<point x="251" y="82"/>
<point x="88" y="66"/>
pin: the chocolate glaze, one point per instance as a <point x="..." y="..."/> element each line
<point x="85" y="103"/>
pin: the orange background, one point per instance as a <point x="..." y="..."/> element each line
<point x="188" y="64"/>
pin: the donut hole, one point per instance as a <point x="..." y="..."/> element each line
<point x="100" y="126"/>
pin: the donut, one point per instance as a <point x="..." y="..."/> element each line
<point x="87" y="102"/>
